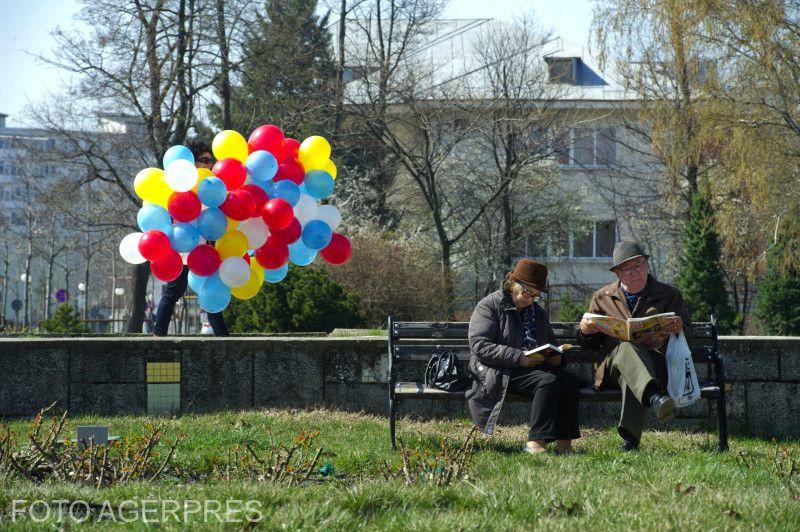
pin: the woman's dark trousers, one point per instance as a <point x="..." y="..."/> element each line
<point x="554" y="402"/>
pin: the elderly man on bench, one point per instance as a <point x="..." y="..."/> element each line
<point x="639" y="370"/>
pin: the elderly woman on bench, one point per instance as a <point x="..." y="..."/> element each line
<point x="504" y="325"/>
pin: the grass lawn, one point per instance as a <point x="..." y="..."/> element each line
<point x="676" y="482"/>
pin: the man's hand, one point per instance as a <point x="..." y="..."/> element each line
<point x="675" y="326"/>
<point x="587" y="327"/>
<point x="531" y="361"/>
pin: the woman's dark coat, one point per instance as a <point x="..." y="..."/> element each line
<point x="496" y="340"/>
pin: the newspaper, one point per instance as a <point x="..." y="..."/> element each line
<point x="645" y="331"/>
<point x="547" y="350"/>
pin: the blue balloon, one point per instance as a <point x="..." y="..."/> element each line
<point x="184" y="237"/>
<point x="262" y="165"/>
<point x="319" y="184"/>
<point x="277" y="275"/>
<point x="316" y="235"/>
<point x="287" y="190"/>
<point x="177" y="152"/>
<point x="153" y="217"/>
<point x="303" y="189"/>
<point x="212" y="224"/>
<point x="212" y="191"/>
<point x="300" y="254"/>
<point x="266" y="186"/>
<point x="214" y="296"/>
<point x="196" y="282"/>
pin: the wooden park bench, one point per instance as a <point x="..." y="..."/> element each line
<point x="413" y="341"/>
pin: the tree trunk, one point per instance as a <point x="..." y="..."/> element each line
<point x="508" y="226"/>
<point x="224" y="77"/>
<point x="48" y="287"/>
<point x="26" y="318"/>
<point x="138" y="290"/>
<point x="113" y="292"/>
<point x="337" y="117"/>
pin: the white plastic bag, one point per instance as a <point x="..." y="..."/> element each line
<point x="682" y="383"/>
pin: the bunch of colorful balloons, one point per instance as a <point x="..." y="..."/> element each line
<point x="258" y="206"/>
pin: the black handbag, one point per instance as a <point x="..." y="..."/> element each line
<point x="445" y="372"/>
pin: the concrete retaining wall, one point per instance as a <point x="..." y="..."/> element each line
<point x="108" y="376"/>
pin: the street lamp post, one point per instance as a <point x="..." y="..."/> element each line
<point x="118" y="291"/>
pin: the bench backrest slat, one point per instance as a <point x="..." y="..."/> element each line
<point x="409" y="340"/>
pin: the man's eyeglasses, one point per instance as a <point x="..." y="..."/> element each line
<point x="204" y="160"/>
<point x="632" y="268"/>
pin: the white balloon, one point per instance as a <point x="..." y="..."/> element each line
<point x="306" y="209"/>
<point x="181" y="175"/>
<point x="234" y="271"/>
<point x="330" y="215"/>
<point x="256" y="232"/>
<point x="185" y="258"/>
<point x="129" y="249"/>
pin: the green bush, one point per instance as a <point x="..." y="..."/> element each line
<point x="569" y="311"/>
<point x="778" y="302"/>
<point x="306" y="300"/>
<point x="65" y="320"/>
<point x="701" y="278"/>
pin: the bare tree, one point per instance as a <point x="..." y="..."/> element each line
<point x="148" y="63"/>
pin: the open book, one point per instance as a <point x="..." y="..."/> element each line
<point x="547" y="350"/>
<point x="646" y="331"/>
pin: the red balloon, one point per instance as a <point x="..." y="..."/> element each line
<point x="338" y="251"/>
<point x="238" y="205"/>
<point x="277" y="214"/>
<point x="290" y="147"/>
<point x="273" y="254"/>
<point x="267" y="137"/>
<point x="203" y="260"/>
<point x="169" y="268"/>
<point x="259" y="196"/>
<point x="292" y="170"/>
<point x="154" y="245"/>
<point x="288" y="235"/>
<point x="231" y="171"/>
<point x="246" y="257"/>
<point x="184" y="206"/>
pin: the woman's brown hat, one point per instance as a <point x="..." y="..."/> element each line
<point x="530" y="272"/>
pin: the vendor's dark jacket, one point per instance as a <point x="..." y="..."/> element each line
<point x="496" y="340"/>
<point x="654" y="298"/>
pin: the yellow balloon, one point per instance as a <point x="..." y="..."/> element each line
<point x="150" y="185"/>
<point x="330" y="168"/>
<point x="229" y="143"/>
<point x="257" y="270"/>
<point x="249" y="289"/>
<point x="232" y="225"/>
<point x="202" y="173"/>
<point x="232" y="244"/>
<point x="313" y="152"/>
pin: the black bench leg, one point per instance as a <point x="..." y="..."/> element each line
<point x="391" y="422"/>
<point x="722" y="419"/>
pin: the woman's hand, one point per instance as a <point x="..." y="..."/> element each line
<point x="531" y="361"/>
<point x="554" y="360"/>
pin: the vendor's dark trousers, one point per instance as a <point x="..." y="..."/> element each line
<point x="172" y="292"/>
<point x="632" y="368"/>
<point x="554" y="402"/>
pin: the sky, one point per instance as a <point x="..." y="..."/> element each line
<point x="26" y="31"/>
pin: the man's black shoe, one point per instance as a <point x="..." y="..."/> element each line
<point x="630" y="446"/>
<point x="663" y="407"/>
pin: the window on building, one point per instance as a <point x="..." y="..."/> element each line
<point x="591" y="147"/>
<point x="586" y="239"/>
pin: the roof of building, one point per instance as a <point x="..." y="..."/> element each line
<point x="447" y="49"/>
